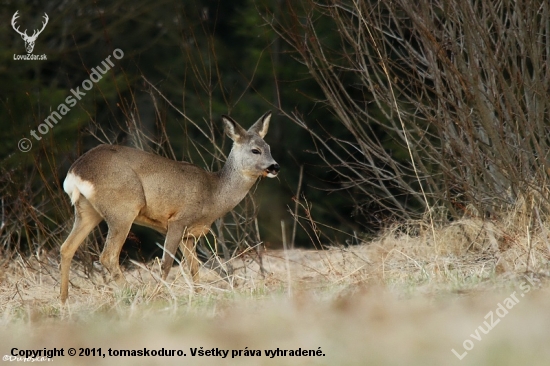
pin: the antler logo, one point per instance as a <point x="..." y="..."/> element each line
<point x="29" y="40"/>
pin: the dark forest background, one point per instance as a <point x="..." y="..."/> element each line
<point x="383" y="111"/>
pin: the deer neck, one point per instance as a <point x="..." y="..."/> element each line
<point x="232" y="185"/>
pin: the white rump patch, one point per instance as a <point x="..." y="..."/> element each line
<point x="75" y="186"/>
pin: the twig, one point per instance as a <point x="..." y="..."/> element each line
<point x="296" y="199"/>
<point x="289" y="279"/>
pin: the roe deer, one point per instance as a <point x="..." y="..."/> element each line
<point x="122" y="186"/>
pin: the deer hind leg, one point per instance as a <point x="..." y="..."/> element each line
<point x="119" y="227"/>
<point x="119" y="206"/>
<point x="86" y="219"/>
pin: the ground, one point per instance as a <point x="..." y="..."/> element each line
<point x="477" y="295"/>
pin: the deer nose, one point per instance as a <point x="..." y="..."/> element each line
<point x="274" y="168"/>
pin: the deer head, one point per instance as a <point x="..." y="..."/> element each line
<point x="29" y="41"/>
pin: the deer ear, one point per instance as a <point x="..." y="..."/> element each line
<point x="262" y="125"/>
<point x="233" y="129"/>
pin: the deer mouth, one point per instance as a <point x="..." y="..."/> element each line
<point x="271" y="171"/>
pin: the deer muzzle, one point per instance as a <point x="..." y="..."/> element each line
<point x="272" y="170"/>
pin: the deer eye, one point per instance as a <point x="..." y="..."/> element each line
<point x="256" y="151"/>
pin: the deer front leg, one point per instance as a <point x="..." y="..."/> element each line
<point x="173" y="239"/>
<point x="188" y="247"/>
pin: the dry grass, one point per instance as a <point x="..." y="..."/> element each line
<point x="400" y="299"/>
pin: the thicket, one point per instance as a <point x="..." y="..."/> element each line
<point x="445" y="102"/>
<point x="385" y="110"/>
